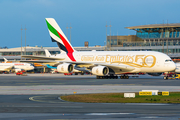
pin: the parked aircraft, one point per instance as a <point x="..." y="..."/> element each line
<point x="105" y="64"/>
<point x="15" y="66"/>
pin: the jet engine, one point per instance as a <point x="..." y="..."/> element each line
<point x="177" y="70"/>
<point x="155" y="74"/>
<point x="100" y="70"/>
<point x="65" y="68"/>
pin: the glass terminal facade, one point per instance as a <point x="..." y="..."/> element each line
<point x="157" y="37"/>
<point x="157" y="32"/>
<point x="147" y="33"/>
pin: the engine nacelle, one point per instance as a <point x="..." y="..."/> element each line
<point x="100" y="70"/>
<point x="17" y="70"/>
<point x="65" y="68"/>
<point x="155" y="74"/>
<point x="177" y="70"/>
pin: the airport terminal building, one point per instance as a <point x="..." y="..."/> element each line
<point x="156" y="37"/>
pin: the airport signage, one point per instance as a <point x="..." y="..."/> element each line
<point x="129" y="95"/>
<point x="145" y="93"/>
<point x="154" y="92"/>
<point x="165" y="93"/>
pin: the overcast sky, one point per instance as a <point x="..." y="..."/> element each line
<point x="87" y="18"/>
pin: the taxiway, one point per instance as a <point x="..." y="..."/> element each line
<point x="37" y="96"/>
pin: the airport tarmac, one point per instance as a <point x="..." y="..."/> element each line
<point x="37" y="96"/>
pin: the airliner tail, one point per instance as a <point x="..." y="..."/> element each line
<point x="48" y="54"/>
<point x="58" y="36"/>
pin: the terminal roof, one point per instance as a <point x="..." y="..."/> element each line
<point x="173" y="25"/>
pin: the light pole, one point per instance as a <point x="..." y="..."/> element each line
<point x="104" y="45"/>
<point x="70" y="32"/>
<point x="167" y="37"/>
<point x="67" y="31"/>
<point x="110" y="35"/>
<point x="21" y="41"/>
<point x="106" y="36"/>
<point x="25" y="40"/>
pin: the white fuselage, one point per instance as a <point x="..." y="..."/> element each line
<point x="23" y="66"/>
<point x="142" y="61"/>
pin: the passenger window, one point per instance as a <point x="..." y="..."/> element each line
<point x="167" y="60"/>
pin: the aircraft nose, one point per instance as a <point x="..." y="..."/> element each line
<point x="32" y="67"/>
<point x="172" y="66"/>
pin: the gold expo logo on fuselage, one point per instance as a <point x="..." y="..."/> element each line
<point x="134" y="60"/>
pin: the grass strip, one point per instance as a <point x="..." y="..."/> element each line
<point x="174" y="97"/>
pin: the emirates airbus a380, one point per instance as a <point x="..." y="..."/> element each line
<point x="104" y="64"/>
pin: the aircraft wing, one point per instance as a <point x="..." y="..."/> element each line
<point x="39" y="61"/>
<point x="41" y="57"/>
<point x="115" y="67"/>
<point x="50" y="62"/>
<point x="53" y="61"/>
<point x="8" y="68"/>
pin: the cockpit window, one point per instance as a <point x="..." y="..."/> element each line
<point x="31" y="64"/>
<point x="167" y="60"/>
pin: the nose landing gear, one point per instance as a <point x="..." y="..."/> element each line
<point x="165" y="77"/>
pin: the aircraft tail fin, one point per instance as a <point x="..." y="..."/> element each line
<point x="5" y="60"/>
<point x="58" y="36"/>
<point x="48" y="54"/>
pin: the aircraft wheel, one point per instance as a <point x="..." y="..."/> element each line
<point x="165" y="77"/>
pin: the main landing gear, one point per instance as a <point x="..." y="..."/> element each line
<point x="113" y="77"/>
<point x="107" y="77"/>
<point x="124" y="76"/>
